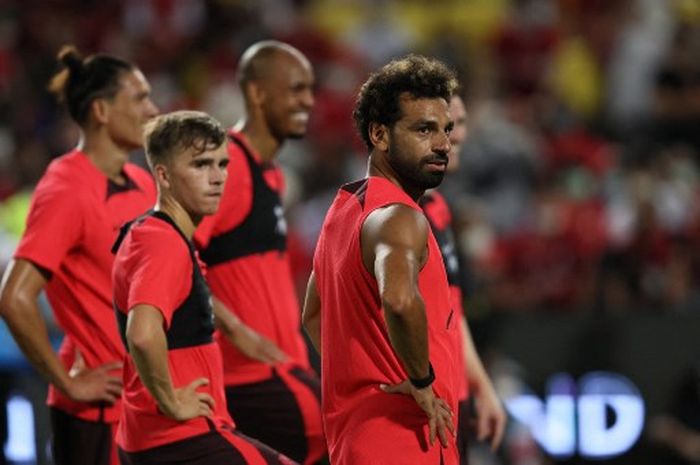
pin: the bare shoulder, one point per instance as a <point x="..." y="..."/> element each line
<point x="396" y="225"/>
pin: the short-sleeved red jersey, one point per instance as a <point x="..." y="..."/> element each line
<point x="440" y="218"/>
<point x="364" y="424"/>
<point x="245" y="248"/>
<point x="156" y="265"/>
<point x="74" y="218"/>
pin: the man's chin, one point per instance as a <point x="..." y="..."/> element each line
<point x="296" y="135"/>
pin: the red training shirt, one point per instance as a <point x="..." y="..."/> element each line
<point x="155" y="266"/>
<point x="74" y="218"/>
<point x="245" y="247"/>
<point x="364" y="424"/>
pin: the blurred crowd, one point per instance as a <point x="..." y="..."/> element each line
<point x="579" y="183"/>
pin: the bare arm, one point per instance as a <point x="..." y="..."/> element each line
<point x="491" y="418"/>
<point x="244" y="338"/>
<point x="394" y="249"/>
<point x="21" y="285"/>
<point x="148" y="347"/>
<point x="311" y="317"/>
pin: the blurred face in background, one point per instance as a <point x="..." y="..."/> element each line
<point x="287" y="96"/>
<point x="130" y="109"/>
<point x="459" y="133"/>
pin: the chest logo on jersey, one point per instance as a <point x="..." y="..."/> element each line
<point x="281" y="227"/>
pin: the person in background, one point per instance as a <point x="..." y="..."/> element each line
<point x="174" y="408"/>
<point x="490" y="416"/>
<point x="76" y="211"/>
<point x="245" y="248"/>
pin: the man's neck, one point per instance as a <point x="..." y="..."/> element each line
<point x="260" y="138"/>
<point x="184" y="221"/>
<point x="106" y="155"/>
<point x="378" y="167"/>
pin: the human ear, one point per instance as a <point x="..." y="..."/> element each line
<point x="100" y="109"/>
<point x="379" y="136"/>
<point x="162" y="176"/>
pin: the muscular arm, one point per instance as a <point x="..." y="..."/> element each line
<point x="311" y="316"/>
<point x="21" y="285"/>
<point x="149" y="349"/>
<point x="394" y="249"/>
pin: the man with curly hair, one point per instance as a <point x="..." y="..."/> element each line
<point x="377" y="303"/>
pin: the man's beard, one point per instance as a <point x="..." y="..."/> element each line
<point x="417" y="175"/>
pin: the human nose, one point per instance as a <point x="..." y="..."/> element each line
<point x="308" y="99"/>
<point x="442" y="143"/>
<point x="219" y="175"/>
<point x="151" y="108"/>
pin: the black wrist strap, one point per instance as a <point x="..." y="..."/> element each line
<point x="421" y="383"/>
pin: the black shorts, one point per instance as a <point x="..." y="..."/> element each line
<point x="75" y="441"/>
<point x="212" y="448"/>
<point x="283" y="412"/>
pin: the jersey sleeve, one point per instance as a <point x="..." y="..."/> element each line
<point x="161" y="272"/>
<point x="55" y="225"/>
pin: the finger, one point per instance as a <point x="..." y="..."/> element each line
<point x="401" y="388"/>
<point x="111" y="366"/>
<point x="432" y="424"/>
<point x="441" y="426"/>
<point x="444" y="406"/>
<point x="206" y="399"/>
<point x="498" y="436"/>
<point x="114" y="390"/>
<point x="449" y="423"/>
<point x="205" y="410"/>
<point x="113" y="381"/>
<point x="198" y="383"/>
<point x="108" y="397"/>
<point x="483" y="427"/>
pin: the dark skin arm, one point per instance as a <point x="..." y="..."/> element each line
<point x="311" y="317"/>
<point x="21" y="286"/>
<point x="394" y="249"/>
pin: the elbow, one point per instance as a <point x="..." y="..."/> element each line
<point x="403" y="304"/>
<point x="307" y="320"/>
<point x="11" y="300"/>
<point x="139" y="338"/>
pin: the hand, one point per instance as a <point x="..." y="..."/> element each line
<point x="440" y="416"/>
<point x="93" y="385"/>
<point x="490" y="416"/>
<point x="189" y="403"/>
<point x="255" y="346"/>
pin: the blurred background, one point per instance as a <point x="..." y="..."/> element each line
<point x="576" y="206"/>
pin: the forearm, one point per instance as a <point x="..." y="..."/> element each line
<point x="150" y="356"/>
<point x="408" y="333"/>
<point x="474" y="368"/>
<point x="224" y="319"/>
<point x="28" y="329"/>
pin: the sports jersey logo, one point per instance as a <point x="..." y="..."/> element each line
<point x="450" y="257"/>
<point x="281" y="227"/>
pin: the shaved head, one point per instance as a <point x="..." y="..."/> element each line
<point x="277" y="83"/>
<point x="257" y="62"/>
